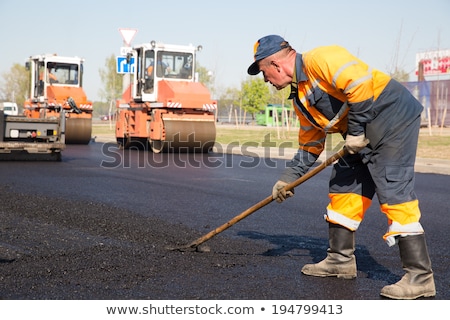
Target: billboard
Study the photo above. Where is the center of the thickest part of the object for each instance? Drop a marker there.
(434, 62)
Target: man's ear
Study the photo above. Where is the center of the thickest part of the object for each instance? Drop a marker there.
(275, 64)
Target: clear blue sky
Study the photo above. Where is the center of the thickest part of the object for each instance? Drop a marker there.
(384, 33)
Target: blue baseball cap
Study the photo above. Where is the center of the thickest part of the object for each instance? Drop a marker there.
(264, 48)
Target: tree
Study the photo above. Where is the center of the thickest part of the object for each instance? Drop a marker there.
(227, 101)
(255, 95)
(280, 96)
(205, 76)
(112, 82)
(16, 84)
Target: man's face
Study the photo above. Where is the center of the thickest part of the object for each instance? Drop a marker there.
(274, 73)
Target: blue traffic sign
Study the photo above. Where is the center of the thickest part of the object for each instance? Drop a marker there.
(123, 66)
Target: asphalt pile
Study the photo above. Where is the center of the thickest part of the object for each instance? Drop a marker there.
(58, 249)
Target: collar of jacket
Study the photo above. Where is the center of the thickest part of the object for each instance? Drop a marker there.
(299, 75)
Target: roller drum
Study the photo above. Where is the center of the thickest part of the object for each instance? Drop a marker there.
(78, 130)
(186, 135)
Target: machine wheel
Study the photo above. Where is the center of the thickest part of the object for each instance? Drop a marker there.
(157, 146)
(135, 143)
(121, 143)
(58, 157)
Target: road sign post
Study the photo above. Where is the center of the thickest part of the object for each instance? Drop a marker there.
(125, 67)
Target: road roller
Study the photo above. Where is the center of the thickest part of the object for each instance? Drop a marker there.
(23, 138)
(164, 107)
(56, 86)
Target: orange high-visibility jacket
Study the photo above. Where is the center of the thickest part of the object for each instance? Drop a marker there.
(335, 92)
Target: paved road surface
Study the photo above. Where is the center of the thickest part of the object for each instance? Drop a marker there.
(96, 226)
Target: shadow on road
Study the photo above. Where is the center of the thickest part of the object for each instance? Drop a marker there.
(287, 245)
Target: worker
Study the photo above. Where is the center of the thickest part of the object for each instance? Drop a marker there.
(162, 68)
(51, 78)
(335, 92)
(186, 70)
(150, 68)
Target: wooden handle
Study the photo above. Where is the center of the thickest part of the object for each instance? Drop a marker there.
(267, 200)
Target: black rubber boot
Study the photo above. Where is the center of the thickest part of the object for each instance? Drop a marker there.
(340, 261)
(418, 280)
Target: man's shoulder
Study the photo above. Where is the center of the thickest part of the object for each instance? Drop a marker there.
(324, 54)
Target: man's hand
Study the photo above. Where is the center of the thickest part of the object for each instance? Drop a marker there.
(355, 144)
(279, 193)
